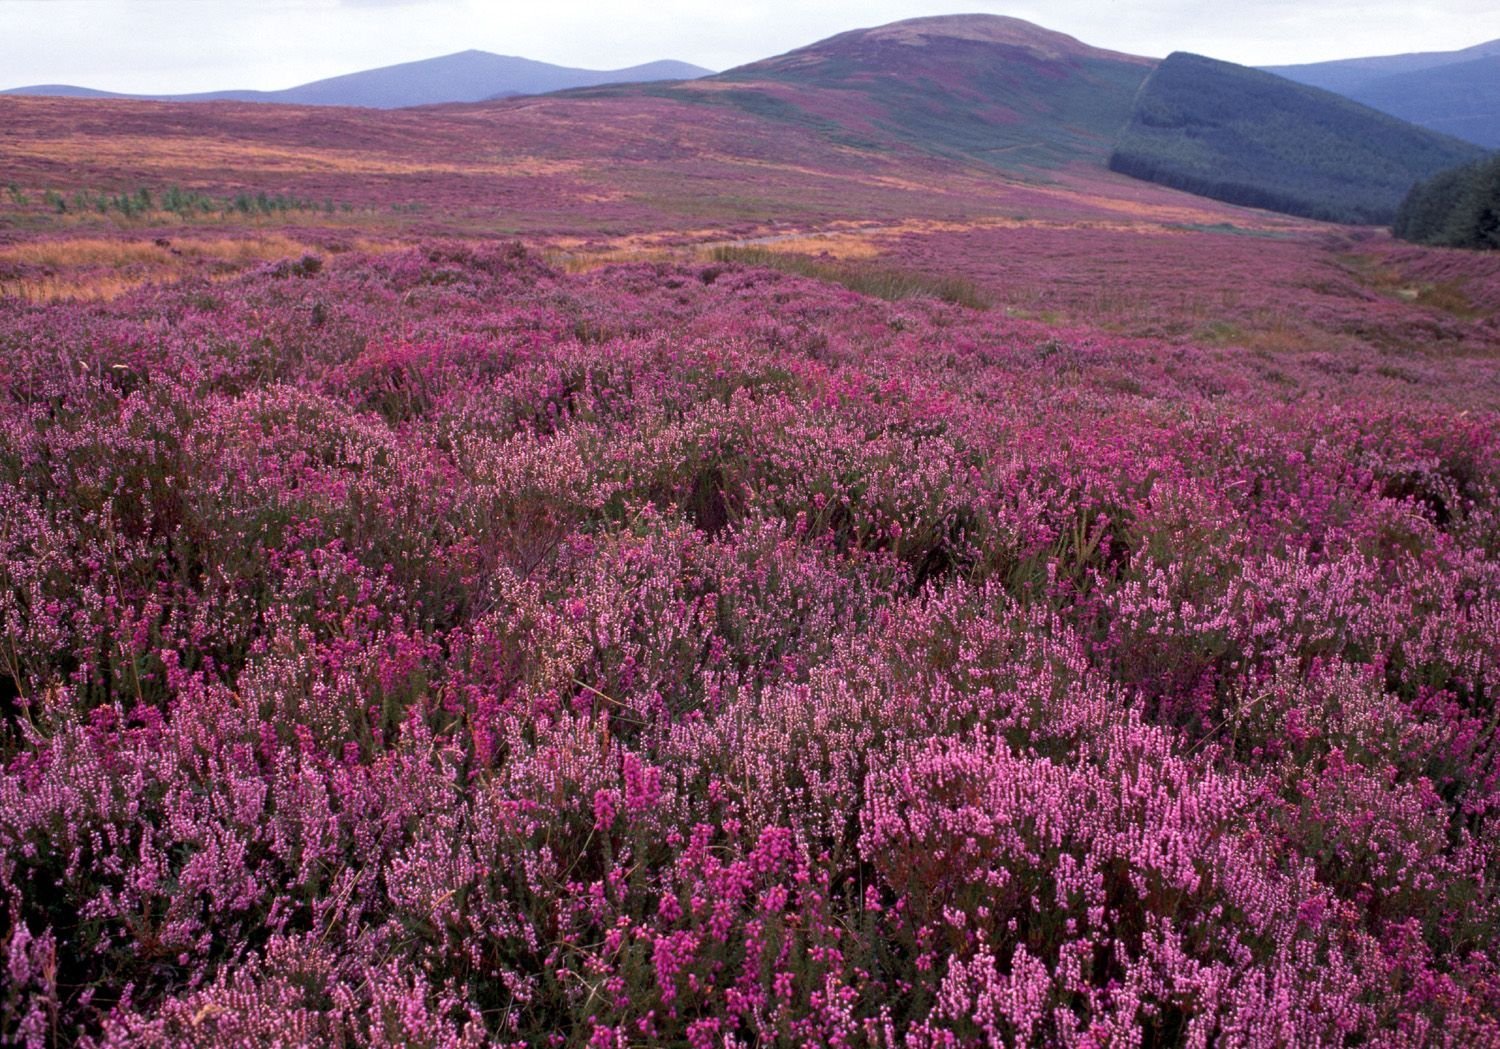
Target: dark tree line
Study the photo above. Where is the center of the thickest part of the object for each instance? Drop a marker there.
(1160, 165)
(1248, 137)
(1457, 208)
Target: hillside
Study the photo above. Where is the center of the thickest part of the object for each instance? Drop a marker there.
(983, 88)
(1248, 137)
(1454, 92)
(468, 76)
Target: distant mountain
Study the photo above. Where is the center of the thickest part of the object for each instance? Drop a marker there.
(1248, 137)
(1462, 99)
(1348, 74)
(1455, 92)
(468, 76)
(65, 91)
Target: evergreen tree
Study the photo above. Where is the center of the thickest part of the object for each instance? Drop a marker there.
(1457, 208)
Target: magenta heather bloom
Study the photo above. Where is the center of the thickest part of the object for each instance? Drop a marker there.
(436, 649)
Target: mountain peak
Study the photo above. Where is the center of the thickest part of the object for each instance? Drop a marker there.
(999, 30)
(980, 87)
(988, 29)
(463, 76)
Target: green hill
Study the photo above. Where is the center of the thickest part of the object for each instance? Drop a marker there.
(1247, 137)
(1458, 208)
(983, 88)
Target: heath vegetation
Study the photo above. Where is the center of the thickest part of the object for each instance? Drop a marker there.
(434, 648)
(704, 565)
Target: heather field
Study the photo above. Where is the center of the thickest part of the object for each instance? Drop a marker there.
(928, 608)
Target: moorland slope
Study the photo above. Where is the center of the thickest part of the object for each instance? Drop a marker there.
(982, 87)
(981, 90)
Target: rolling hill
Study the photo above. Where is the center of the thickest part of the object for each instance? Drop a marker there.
(983, 88)
(1011, 95)
(1249, 137)
(969, 91)
(468, 76)
(1455, 92)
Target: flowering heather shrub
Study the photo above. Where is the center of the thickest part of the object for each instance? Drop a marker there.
(437, 650)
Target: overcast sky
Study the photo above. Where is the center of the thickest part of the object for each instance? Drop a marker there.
(197, 45)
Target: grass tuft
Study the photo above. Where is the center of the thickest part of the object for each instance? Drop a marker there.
(866, 278)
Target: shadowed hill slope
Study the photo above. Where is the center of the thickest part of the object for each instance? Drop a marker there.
(1249, 137)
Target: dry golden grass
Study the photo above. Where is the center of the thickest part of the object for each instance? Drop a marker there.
(633, 241)
(880, 281)
(586, 261)
(97, 268)
(862, 178)
(84, 251)
(576, 255)
(846, 240)
(199, 153)
(53, 289)
(101, 251)
(90, 222)
(1122, 200)
(838, 245)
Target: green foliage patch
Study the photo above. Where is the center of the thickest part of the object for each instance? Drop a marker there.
(880, 281)
(1457, 208)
